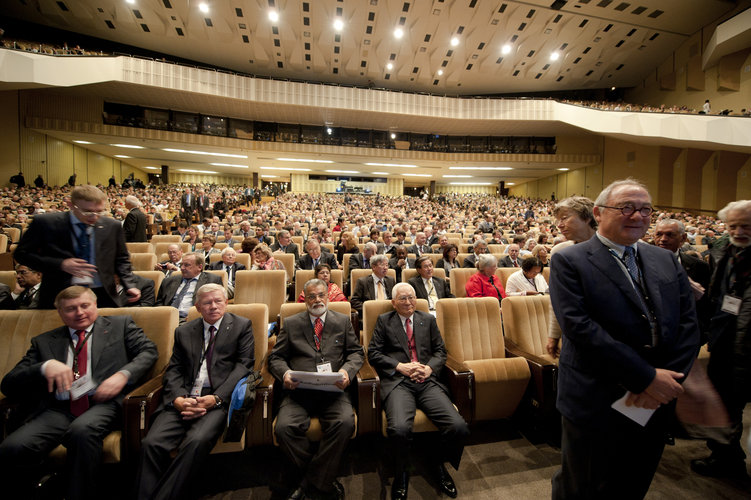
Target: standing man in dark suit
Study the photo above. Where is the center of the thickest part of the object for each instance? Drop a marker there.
(427, 286)
(408, 353)
(376, 286)
(324, 341)
(188, 205)
(627, 313)
(179, 290)
(203, 205)
(229, 266)
(285, 244)
(28, 282)
(79, 247)
(315, 257)
(211, 354)
(401, 261)
(134, 225)
(108, 355)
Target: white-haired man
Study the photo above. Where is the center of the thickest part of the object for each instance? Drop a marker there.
(134, 225)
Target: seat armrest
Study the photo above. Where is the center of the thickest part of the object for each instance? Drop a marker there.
(461, 383)
(138, 407)
(259, 428)
(454, 364)
(9, 414)
(368, 400)
(544, 374)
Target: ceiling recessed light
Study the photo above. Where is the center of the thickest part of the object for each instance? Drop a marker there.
(554, 56)
(612, 88)
(203, 7)
(455, 41)
(83, 142)
(563, 169)
(284, 168)
(338, 24)
(273, 16)
(480, 168)
(329, 131)
(122, 156)
(390, 165)
(131, 146)
(398, 33)
(196, 171)
(440, 72)
(457, 176)
(389, 66)
(510, 184)
(304, 160)
(131, 1)
(393, 135)
(506, 49)
(233, 165)
(151, 168)
(342, 171)
(267, 176)
(380, 173)
(417, 175)
(206, 153)
(470, 183)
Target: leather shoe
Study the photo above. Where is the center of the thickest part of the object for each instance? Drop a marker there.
(445, 483)
(400, 486)
(298, 494)
(718, 467)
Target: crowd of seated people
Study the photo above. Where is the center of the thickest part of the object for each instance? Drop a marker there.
(648, 108)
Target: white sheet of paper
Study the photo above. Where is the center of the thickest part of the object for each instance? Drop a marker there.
(639, 415)
(80, 387)
(317, 381)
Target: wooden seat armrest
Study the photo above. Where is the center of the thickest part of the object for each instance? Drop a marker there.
(544, 377)
(513, 350)
(456, 365)
(138, 407)
(368, 400)
(461, 382)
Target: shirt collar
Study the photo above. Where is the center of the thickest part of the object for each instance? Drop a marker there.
(618, 249)
(404, 320)
(322, 316)
(215, 325)
(72, 331)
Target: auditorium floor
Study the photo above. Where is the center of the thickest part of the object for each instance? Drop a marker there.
(499, 463)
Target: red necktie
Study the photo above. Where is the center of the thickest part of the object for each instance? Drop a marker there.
(81, 404)
(410, 340)
(318, 331)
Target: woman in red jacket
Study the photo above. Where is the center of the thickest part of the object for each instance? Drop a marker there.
(484, 283)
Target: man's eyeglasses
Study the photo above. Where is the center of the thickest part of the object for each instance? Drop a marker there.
(316, 296)
(405, 298)
(628, 210)
(89, 214)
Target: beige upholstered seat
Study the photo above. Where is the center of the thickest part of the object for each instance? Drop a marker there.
(139, 247)
(471, 328)
(460, 258)
(302, 276)
(8, 278)
(359, 273)
(496, 249)
(546, 274)
(14, 234)
(244, 259)
(156, 276)
(459, 276)
(345, 265)
(262, 287)
(161, 247)
(222, 274)
(3, 243)
(408, 274)
(288, 259)
(505, 272)
(159, 238)
(142, 261)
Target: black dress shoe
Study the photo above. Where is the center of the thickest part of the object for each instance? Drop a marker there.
(445, 483)
(719, 467)
(400, 486)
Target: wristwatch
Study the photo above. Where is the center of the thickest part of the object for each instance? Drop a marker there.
(218, 401)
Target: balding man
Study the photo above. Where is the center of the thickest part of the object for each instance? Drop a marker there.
(361, 260)
(134, 225)
(729, 343)
(173, 262)
(670, 234)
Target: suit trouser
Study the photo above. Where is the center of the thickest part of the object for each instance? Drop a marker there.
(193, 439)
(30, 444)
(400, 406)
(334, 411)
(615, 461)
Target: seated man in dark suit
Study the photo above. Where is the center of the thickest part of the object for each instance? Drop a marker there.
(146, 286)
(480, 247)
(285, 244)
(315, 257)
(182, 230)
(421, 245)
(510, 260)
(173, 262)
(401, 261)
(49, 374)
(388, 247)
(361, 260)
(6, 300)
(211, 354)
(427, 286)
(410, 380)
(375, 286)
(28, 282)
(179, 290)
(228, 265)
(324, 341)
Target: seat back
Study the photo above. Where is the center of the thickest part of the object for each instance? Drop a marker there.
(142, 261)
(138, 247)
(8, 278)
(408, 274)
(458, 279)
(156, 276)
(244, 259)
(288, 260)
(496, 249)
(546, 274)
(292, 308)
(161, 247)
(14, 234)
(3, 243)
(460, 258)
(302, 276)
(221, 273)
(215, 257)
(262, 287)
(359, 273)
(371, 309)
(345, 264)
(258, 315)
(471, 328)
(160, 238)
(525, 322)
(504, 273)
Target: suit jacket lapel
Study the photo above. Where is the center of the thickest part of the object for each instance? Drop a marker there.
(601, 258)
(222, 337)
(196, 349)
(371, 288)
(61, 344)
(308, 331)
(100, 330)
(418, 329)
(397, 330)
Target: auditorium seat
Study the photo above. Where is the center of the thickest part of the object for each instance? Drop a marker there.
(8, 278)
(359, 273)
(493, 248)
(408, 274)
(170, 238)
(142, 261)
(221, 273)
(3, 243)
(137, 247)
(302, 276)
(460, 258)
(485, 382)
(161, 247)
(288, 260)
(546, 274)
(505, 272)
(262, 287)
(156, 276)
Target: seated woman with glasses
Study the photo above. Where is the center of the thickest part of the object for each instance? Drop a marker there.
(484, 283)
(528, 280)
(263, 259)
(323, 272)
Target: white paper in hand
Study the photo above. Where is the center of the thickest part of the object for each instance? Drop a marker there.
(318, 381)
(639, 415)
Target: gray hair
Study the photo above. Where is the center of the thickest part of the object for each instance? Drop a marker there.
(580, 205)
(132, 200)
(208, 288)
(399, 286)
(377, 259)
(314, 282)
(604, 196)
(371, 246)
(227, 250)
(283, 233)
(744, 205)
(486, 259)
(679, 224)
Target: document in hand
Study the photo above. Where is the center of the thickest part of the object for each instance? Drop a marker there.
(317, 381)
(639, 415)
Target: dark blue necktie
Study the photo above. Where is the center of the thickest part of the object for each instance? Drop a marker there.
(629, 258)
(179, 297)
(84, 242)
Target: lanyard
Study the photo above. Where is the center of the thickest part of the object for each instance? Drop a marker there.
(206, 348)
(77, 350)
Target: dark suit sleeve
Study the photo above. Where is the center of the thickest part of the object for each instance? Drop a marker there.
(177, 377)
(147, 293)
(359, 295)
(279, 355)
(129, 226)
(142, 352)
(447, 291)
(121, 257)
(29, 251)
(353, 353)
(244, 360)
(377, 350)
(6, 299)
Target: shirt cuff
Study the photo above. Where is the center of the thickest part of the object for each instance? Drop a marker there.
(43, 367)
(126, 373)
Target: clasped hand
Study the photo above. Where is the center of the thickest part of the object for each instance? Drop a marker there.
(61, 375)
(194, 407)
(416, 371)
(663, 389)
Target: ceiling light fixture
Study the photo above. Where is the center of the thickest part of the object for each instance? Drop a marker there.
(273, 16)
(379, 173)
(267, 176)
(440, 72)
(131, 1)
(131, 146)
(398, 33)
(329, 131)
(389, 66)
(122, 156)
(304, 160)
(196, 171)
(338, 24)
(390, 165)
(83, 142)
(289, 169)
(506, 49)
(455, 41)
(342, 171)
(563, 169)
(203, 7)
(480, 168)
(417, 175)
(510, 184)
(470, 183)
(233, 165)
(457, 176)
(151, 168)
(554, 56)
(206, 153)
(393, 135)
